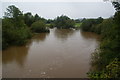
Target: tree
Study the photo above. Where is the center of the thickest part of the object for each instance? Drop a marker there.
(38, 27)
(90, 24)
(15, 14)
(64, 22)
(107, 58)
(28, 18)
(36, 18)
(14, 30)
(116, 5)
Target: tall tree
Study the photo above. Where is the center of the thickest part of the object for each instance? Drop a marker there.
(116, 5)
(15, 15)
(36, 18)
(28, 18)
(14, 30)
(64, 22)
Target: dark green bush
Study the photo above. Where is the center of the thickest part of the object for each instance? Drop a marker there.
(14, 30)
(39, 27)
(64, 22)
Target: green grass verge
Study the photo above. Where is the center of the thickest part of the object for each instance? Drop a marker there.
(77, 25)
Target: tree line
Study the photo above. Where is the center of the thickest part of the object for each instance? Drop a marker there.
(106, 59)
(17, 27)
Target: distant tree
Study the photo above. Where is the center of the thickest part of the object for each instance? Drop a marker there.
(83, 19)
(64, 22)
(49, 21)
(77, 20)
(90, 24)
(28, 18)
(37, 18)
(99, 20)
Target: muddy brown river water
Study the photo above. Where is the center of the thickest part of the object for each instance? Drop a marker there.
(62, 53)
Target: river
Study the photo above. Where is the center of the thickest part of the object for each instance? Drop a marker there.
(62, 53)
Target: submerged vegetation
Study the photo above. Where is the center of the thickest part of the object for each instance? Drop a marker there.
(15, 31)
(64, 22)
(90, 25)
(39, 26)
(17, 28)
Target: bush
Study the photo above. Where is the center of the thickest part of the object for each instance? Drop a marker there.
(92, 25)
(13, 35)
(39, 27)
(106, 59)
(64, 22)
(112, 70)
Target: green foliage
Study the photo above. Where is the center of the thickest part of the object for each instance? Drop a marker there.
(50, 25)
(28, 18)
(64, 22)
(106, 59)
(38, 18)
(14, 30)
(13, 12)
(39, 27)
(78, 20)
(13, 35)
(0, 34)
(77, 25)
(116, 5)
(112, 70)
(90, 25)
(49, 21)
(16, 15)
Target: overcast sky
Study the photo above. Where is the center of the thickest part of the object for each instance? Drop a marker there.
(52, 0)
(72, 8)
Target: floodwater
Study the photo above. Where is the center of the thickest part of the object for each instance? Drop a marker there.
(62, 53)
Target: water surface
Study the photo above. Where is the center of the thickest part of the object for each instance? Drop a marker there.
(62, 53)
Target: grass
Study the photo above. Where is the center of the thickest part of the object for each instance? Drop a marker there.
(47, 25)
(77, 25)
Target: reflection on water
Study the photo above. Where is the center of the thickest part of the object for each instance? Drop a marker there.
(63, 53)
(63, 34)
(40, 37)
(37, 38)
(15, 54)
(89, 35)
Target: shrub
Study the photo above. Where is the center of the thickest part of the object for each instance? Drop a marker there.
(39, 27)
